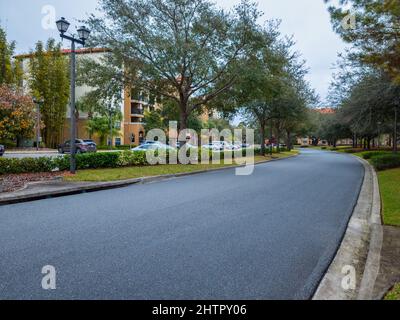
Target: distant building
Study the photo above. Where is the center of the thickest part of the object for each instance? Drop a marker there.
(134, 104)
(325, 110)
(308, 141)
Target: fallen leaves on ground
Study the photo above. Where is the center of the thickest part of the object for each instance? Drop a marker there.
(13, 182)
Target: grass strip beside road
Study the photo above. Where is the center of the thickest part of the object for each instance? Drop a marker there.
(389, 182)
(101, 175)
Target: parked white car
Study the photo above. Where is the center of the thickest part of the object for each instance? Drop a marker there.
(153, 145)
(214, 146)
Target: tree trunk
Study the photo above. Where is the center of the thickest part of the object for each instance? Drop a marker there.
(262, 133)
(278, 137)
(289, 140)
(183, 120)
(395, 131)
(90, 117)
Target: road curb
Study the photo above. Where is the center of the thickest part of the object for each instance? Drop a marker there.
(77, 188)
(360, 249)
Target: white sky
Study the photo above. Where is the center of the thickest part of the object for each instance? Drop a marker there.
(307, 20)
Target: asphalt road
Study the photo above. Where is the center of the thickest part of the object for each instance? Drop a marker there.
(270, 235)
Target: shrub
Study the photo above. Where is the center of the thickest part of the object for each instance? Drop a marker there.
(129, 158)
(353, 150)
(372, 154)
(323, 148)
(9, 144)
(334, 149)
(386, 161)
(97, 160)
(62, 163)
(25, 165)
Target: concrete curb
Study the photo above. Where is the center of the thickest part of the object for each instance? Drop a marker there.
(360, 248)
(76, 188)
(375, 247)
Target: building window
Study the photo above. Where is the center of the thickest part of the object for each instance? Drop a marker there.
(117, 141)
(136, 108)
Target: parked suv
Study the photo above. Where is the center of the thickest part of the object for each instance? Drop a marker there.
(81, 147)
(2, 150)
(90, 142)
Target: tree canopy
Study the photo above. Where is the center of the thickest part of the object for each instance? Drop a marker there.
(179, 49)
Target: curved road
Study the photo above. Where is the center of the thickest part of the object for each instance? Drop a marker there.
(270, 235)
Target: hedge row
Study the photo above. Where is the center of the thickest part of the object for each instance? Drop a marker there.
(90, 161)
(386, 161)
(61, 163)
(26, 165)
(373, 154)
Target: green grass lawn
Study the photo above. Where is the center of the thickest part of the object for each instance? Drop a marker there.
(96, 175)
(389, 182)
(394, 294)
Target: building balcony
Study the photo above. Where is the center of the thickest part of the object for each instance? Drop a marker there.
(137, 111)
(136, 120)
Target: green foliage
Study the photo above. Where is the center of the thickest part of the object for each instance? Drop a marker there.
(97, 160)
(352, 150)
(387, 161)
(372, 154)
(26, 165)
(182, 48)
(49, 80)
(100, 125)
(394, 294)
(154, 120)
(102, 160)
(128, 158)
(10, 72)
(389, 184)
(89, 161)
(17, 114)
(9, 144)
(376, 37)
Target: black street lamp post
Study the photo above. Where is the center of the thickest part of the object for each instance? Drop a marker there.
(83, 35)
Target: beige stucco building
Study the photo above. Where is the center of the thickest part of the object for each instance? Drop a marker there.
(133, 105)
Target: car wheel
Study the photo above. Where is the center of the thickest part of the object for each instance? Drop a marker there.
(61, 151)
(79, 151)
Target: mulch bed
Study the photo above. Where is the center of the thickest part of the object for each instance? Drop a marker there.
(13, 182)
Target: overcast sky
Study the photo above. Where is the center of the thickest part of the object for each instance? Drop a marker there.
(307, 20)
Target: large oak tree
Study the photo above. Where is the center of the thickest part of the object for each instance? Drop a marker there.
(177, 49)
